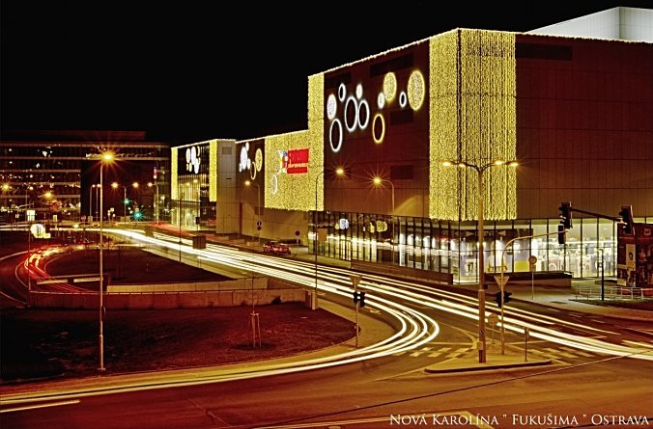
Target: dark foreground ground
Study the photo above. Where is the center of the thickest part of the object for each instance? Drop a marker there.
(44, 343)
(38, 343)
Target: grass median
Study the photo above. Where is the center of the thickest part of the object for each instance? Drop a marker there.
(43, 343)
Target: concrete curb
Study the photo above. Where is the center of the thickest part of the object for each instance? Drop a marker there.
(439, 369)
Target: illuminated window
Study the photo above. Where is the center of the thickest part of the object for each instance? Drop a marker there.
(332, 107)
(351, 119)
(378, 128)
(416, 90)
(380, 100)
(363, 114)
(402, 99)
(336, 127)
(390, 87)
(342, 92)
(359, 91)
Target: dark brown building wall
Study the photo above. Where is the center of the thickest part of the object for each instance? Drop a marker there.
(584, 125)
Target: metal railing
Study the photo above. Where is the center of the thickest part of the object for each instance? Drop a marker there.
(613, 293)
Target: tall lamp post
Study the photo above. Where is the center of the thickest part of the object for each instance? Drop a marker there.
(339, 172)
(90, 197)
(377, 182)
(156, 200)
(480, 169)
(249, 183)
(106, 158)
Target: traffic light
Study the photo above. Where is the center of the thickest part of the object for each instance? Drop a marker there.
(506, 297)
(626, 214)
(562, 234)
(138, 215)
(359, 297)
(126, 200)
(566, 214)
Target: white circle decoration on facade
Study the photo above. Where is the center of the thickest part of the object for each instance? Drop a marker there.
(243, 162)
(378, 128)
(335, 124)
(390, 86)
(380, 100)
(193, 159)
(359, 91)
(363, 114)
(416, 90)
(351, 114)
(402, 99)
(332, 107)
(342, 92)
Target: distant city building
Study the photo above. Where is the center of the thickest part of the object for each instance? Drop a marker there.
(54, 172)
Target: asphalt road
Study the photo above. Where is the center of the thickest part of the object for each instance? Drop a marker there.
(13, 292)
(369, 395)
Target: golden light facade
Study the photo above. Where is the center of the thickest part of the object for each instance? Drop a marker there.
(289, 191)
(174, 174)
(472, 119)
(315, 138)
(213, 171)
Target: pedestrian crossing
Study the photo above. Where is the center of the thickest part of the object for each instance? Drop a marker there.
(445, 351)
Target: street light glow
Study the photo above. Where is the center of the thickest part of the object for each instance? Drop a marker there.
(115, 185)
(377, 180)
(135, 185)
(108, 156)
(340, 171)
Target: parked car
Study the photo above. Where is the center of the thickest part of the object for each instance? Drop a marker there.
(276, 248)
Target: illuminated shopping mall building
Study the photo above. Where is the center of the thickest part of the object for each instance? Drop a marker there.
(571, 104)
(57, 174)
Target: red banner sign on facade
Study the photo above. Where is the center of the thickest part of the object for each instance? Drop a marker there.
(296, 161)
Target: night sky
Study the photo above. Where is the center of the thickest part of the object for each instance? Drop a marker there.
(195, 70)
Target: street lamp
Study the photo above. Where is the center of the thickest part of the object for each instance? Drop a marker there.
(106, 158)
(340, 172)
(116, 185)
(480, 169)
(249, 183)
(377, 182)
(156, 200)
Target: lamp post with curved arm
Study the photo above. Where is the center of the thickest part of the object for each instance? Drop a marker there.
(480, 169)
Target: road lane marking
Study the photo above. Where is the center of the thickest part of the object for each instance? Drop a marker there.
(33, 407)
